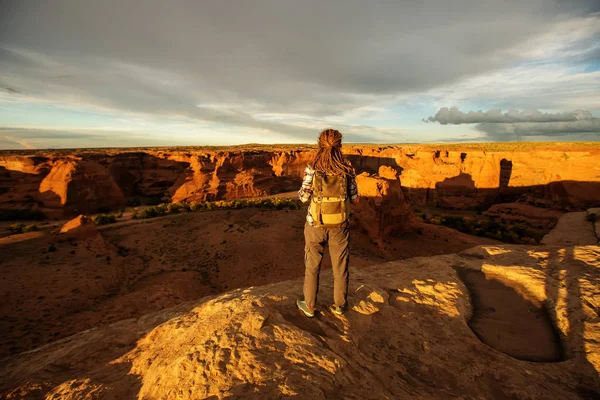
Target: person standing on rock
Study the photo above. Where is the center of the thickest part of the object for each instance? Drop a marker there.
(330, 185)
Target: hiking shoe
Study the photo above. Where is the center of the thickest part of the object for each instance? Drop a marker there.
(302, 306)
(339, 310)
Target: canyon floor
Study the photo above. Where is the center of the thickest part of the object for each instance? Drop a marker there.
(55, 285)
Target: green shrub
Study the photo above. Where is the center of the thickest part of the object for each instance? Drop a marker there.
(154, 211)
(16, 228)
(436, 220)
(22, 228)
(511, 237)
(172, 208)
(493, 235)
(30, 228)
(458, 223)
(490, 225)
(196, 205)
(516, 233)
(104, 219)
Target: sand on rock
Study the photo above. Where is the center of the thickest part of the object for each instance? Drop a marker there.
(572, 228)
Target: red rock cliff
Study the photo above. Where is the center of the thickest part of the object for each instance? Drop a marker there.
(451, 176)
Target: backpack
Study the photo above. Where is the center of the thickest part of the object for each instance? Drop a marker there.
(329, 205)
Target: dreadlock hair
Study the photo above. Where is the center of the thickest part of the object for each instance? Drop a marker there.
(329, 158)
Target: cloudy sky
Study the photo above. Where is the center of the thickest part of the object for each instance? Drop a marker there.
(146, 73)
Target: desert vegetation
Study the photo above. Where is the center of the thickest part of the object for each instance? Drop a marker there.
(485, 227)
(104, 219)
(160, 210)
(22, 228)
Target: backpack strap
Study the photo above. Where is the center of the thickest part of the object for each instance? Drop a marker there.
(319, 183)
(343, 193)
(318, 192)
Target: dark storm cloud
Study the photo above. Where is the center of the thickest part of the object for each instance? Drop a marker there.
(455, 116)
(521, 125)
(285, 55)
(355, 46)
(229, 62)
(588, 129)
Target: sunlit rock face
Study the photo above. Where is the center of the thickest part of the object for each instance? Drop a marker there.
(382, 209)
(79, 228)
(407, 333)
(454, 176)
(80, 186)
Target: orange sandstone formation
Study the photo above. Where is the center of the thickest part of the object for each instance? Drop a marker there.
(382, 209)
(79, 228)
(449, 176)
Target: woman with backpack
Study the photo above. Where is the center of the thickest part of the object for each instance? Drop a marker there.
(330, 185)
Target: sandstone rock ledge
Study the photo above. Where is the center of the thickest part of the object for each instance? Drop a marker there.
(405, 337)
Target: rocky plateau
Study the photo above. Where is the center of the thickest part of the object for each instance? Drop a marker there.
(491, 322)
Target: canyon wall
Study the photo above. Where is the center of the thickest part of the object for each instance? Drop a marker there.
(449, 176)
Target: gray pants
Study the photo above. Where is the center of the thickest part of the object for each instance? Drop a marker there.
(315, 240)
